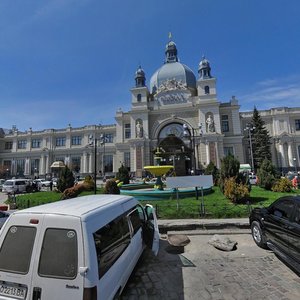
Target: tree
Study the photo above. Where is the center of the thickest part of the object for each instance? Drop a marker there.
(261, 140)
(66, 179)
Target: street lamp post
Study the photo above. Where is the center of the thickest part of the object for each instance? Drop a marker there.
(186, 132)
(250, 128)
(102, 142)
(93, 142)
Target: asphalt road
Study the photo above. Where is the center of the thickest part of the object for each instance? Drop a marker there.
(203, 272)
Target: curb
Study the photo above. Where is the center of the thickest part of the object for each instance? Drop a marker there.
(164, 228)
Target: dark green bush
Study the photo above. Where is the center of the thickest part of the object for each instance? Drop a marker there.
(123, 175)
(211, 169)
(66, 179)
(266, 175)
(230, 167)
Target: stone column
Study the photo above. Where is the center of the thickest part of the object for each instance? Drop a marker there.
(217, 155)
(90, 163)
(207, 153)
(47, 164)
(281, 155)
(290, 155)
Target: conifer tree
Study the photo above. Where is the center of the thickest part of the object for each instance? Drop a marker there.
(260, 140)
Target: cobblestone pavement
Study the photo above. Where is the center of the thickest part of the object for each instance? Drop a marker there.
(203, 272)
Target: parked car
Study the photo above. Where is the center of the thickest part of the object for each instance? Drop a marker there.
(82, 248)
(14, 186)
(42, 182)
(3, 217)
(277, 227)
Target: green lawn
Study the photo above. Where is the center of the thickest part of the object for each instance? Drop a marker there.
(215, 204)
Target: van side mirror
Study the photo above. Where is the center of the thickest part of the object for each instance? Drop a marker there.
(83, 270)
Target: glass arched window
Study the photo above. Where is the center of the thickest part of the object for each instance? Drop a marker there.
(139, 97)
(206, 89)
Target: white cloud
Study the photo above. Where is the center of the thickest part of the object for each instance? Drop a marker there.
(271, 93)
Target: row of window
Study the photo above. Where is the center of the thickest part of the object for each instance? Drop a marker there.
(113, 239)
(59, 142)
(73, 162)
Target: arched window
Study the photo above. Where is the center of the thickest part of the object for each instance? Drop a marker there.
(139, 97)
(206, 89)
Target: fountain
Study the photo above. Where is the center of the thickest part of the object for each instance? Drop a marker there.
(144, 191)
(158, 170)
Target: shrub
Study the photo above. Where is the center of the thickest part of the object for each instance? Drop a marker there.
(282, 185)
(66, 179)
(267, 175)
(212, 170)
(230, 167)
(111, 187)
(73, 192)
(88, 183)
(236, 192)
(123, 175)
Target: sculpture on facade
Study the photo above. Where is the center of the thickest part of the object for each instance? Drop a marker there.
(210, 123)
(139, 129)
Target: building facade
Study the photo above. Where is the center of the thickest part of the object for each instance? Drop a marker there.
(178, 115)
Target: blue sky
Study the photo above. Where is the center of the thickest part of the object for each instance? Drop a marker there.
(73, 61)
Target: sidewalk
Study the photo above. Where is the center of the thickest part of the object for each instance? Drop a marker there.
(202, 224)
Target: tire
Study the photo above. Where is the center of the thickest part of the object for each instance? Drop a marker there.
(257, 235)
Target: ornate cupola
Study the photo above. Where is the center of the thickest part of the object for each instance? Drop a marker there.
(140, 79)
(206, 84)
(171, 52)
(140, 91)
(204, 69)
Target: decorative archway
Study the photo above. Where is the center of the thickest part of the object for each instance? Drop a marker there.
(173, 148)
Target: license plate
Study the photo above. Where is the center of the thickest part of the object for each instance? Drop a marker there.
(16, 292)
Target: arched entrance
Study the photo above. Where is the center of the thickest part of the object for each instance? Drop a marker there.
(175, 152)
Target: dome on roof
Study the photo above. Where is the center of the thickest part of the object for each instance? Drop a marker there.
(170, 71)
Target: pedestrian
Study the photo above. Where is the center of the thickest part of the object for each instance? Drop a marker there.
(51, 185)
(295, 182)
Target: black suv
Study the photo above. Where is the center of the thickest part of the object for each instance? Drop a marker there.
(278, 228)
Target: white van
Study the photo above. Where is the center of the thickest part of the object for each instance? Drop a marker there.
(15, 186)
(79, 249)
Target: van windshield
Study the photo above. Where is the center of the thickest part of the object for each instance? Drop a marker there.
(16, 250)
(59, 254)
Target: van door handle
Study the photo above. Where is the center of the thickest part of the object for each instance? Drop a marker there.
(37, 292)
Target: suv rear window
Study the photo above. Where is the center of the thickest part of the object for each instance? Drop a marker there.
(59, 254)
(16, 250)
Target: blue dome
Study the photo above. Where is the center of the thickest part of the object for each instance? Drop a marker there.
(173, 70)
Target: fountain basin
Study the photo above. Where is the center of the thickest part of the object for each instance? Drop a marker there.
(158, 170)
(142, 193)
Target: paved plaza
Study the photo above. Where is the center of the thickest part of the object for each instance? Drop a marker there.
(203, 272)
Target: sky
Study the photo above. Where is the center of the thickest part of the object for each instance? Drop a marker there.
(73, 61)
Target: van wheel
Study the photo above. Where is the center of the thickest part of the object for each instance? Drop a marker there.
(258, 235)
